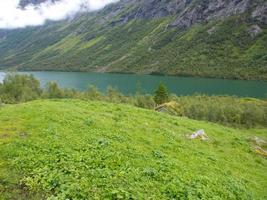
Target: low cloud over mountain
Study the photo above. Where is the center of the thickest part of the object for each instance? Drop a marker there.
(13, 15)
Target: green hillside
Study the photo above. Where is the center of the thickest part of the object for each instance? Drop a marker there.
(72, 149)
(234, 47)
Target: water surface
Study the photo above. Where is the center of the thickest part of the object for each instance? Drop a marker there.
(128, 83)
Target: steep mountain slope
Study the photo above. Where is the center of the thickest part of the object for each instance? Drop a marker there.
(222, 38)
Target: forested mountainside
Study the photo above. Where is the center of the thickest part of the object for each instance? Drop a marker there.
(208, 38)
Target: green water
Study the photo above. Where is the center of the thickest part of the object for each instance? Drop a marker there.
(128, 83)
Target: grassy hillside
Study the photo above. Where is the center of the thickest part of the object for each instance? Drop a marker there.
(224, 49)
(72, 149)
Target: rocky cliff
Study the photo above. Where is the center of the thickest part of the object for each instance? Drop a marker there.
(188, 12)
(185, 12)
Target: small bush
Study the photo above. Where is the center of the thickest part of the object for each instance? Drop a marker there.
(53, 91)
(145, 101)
(19, 88)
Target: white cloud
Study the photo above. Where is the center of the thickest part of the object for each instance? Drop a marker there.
(12, 16)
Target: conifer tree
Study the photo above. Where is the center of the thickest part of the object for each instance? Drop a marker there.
(161, 94)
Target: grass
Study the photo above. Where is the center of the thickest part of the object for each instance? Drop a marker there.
(73, 149)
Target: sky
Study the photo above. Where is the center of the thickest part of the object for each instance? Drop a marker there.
(12, 16)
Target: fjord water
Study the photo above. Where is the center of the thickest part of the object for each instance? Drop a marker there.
(129, 83)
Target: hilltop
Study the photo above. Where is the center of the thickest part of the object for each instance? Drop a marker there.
(222, 38)
(73, 149)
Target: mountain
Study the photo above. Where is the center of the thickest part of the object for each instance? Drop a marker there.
(207, 38)
(24, 3)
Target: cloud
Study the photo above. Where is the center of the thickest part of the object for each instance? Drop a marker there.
(13, 16)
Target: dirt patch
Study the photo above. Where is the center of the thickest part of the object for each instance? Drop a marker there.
(23, 134)
(4, 136)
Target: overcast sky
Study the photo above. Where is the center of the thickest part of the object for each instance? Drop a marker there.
(12, 16)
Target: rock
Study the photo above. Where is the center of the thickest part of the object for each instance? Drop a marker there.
(200, 134)
(261, 151)
(258, 141)
(260, 145)
(186, 12)
(212, 30)
(206, 11)
(254, 31)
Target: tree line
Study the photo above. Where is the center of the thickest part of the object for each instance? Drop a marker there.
(227, 110)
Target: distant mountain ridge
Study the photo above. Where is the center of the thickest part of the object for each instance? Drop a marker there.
(24, 3)
(211, 38)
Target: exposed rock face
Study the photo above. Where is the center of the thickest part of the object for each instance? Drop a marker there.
(185, 12)
(260, 13)
(189, 12)
(208, 10)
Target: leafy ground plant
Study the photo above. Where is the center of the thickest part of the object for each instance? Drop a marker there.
(73, 149)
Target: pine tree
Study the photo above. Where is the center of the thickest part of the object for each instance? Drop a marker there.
(161, 94)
